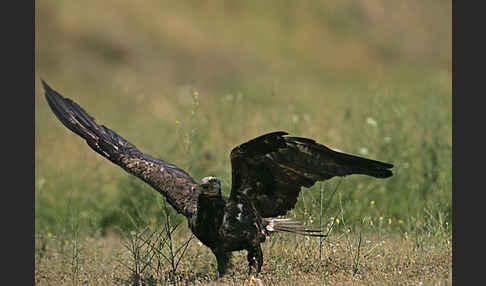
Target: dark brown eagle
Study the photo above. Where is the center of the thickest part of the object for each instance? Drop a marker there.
(268, 173)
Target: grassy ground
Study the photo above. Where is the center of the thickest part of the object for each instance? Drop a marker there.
(189, 81)
(368, 256)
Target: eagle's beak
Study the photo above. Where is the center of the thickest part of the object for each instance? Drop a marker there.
(209, 190)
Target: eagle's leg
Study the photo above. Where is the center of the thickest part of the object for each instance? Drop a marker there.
(224, 261)
(255, 259)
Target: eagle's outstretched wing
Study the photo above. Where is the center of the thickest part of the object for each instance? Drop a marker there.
(271, 169)
(174, 183)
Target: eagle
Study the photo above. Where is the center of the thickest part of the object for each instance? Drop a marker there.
(267, 174)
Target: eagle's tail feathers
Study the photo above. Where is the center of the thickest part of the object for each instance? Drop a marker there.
(290, 225)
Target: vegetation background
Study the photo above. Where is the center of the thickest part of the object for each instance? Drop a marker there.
(186, 81)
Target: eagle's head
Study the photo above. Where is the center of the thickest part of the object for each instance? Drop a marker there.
(210, 187)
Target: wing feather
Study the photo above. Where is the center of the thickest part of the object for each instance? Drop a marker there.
(169, 180)
(271, 169)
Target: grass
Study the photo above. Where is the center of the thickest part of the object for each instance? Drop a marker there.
(352, 257)
(417, 146)
(187, 82)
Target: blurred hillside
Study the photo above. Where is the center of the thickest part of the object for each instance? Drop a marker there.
(319, 69)
(216, 44)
